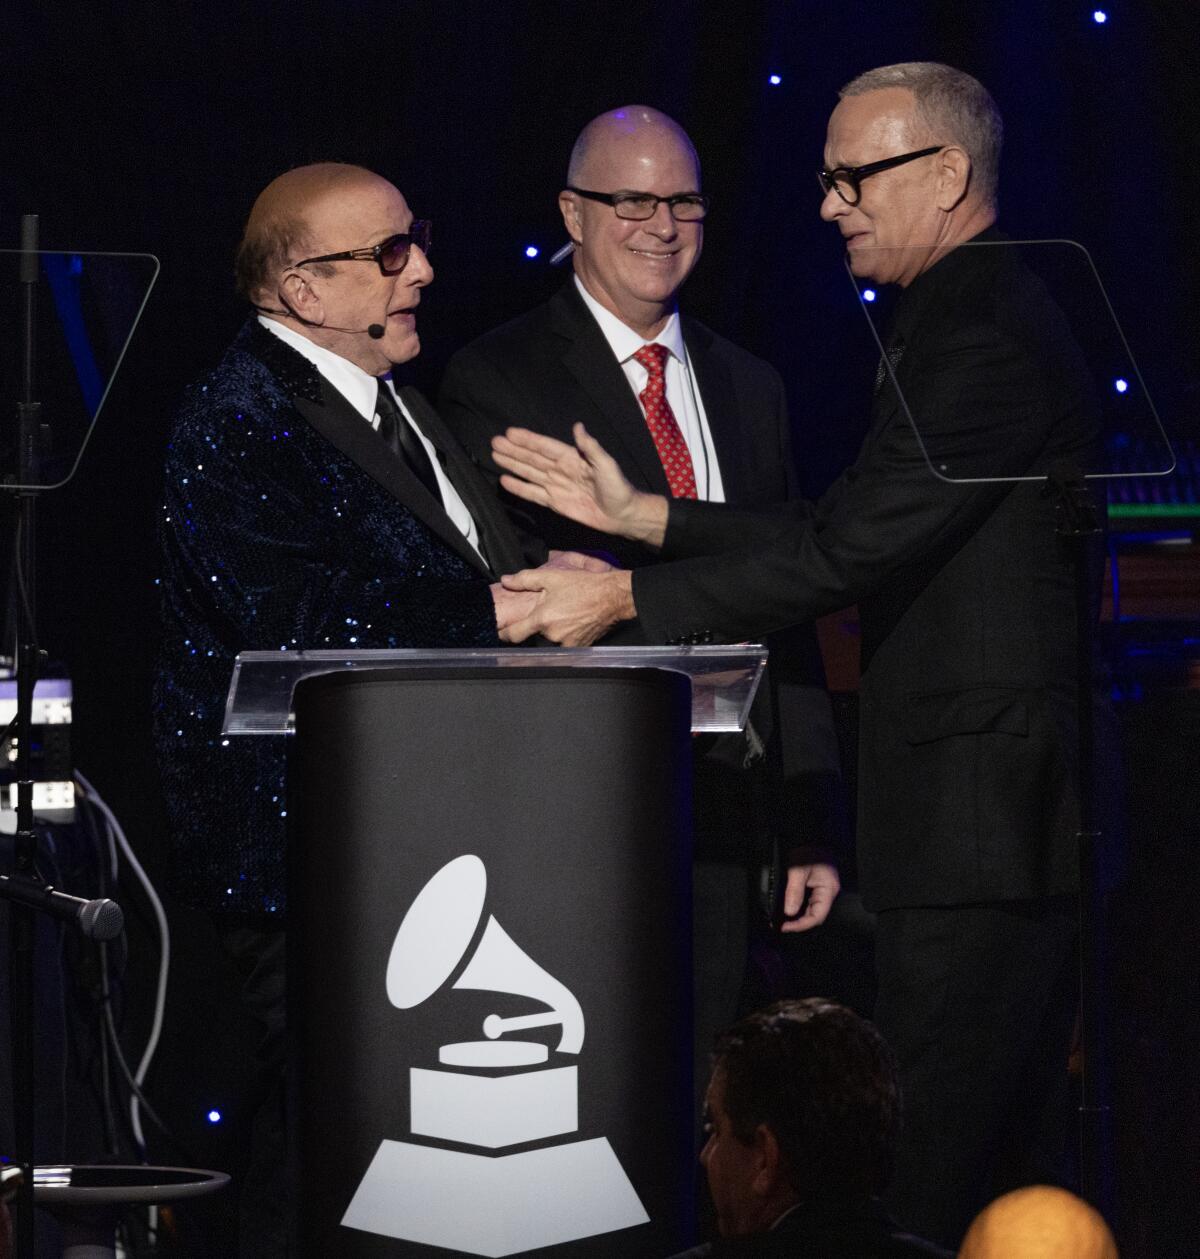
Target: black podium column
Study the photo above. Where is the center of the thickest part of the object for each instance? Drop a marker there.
(489, 962)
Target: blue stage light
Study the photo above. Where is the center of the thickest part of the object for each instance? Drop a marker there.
(1120, 385)
(775, 80)
(1099, 17)
(531, 251)
(214, 1116)
(868, 295)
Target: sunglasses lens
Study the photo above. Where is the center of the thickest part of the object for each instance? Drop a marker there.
(421, 234)
(393, 254)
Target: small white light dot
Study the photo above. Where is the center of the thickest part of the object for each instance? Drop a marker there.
(775, 80)
(868, 295)
(1099, 17)
(531, 251)
(1120, 385)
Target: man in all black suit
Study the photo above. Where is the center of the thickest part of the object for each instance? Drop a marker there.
(686, 413)
(802, 1115)
(308, 504)
(967, 802)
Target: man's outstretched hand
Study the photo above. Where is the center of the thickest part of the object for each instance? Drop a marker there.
(582, 482)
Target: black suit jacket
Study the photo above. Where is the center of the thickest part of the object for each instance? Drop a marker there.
(288, 523)
(965, 596)
(552, 367)
(824, 1230)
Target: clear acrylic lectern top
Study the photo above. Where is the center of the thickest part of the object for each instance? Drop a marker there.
(724, 679)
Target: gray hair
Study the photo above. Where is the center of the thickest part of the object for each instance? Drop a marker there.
(952, 104)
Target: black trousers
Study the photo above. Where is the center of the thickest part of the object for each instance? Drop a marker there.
(978, 1002)
(265, 1206)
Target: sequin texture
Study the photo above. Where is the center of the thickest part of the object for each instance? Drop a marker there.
(273, 539)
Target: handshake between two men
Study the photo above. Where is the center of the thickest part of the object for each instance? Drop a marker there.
(573, 599)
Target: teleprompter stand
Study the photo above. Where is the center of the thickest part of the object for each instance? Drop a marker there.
(37, 460)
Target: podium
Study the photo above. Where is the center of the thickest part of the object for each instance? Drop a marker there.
(489, 945)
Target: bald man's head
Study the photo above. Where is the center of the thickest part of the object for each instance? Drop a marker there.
(1039, 1222)
(279, 222)
(633, 267)
(623, 132)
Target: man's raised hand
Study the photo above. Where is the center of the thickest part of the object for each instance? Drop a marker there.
(582, 482)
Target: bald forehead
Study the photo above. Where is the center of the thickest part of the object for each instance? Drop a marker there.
(625, 138)
(295, 191)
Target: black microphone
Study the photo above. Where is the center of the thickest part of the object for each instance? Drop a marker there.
(375, 331)
(98, 920)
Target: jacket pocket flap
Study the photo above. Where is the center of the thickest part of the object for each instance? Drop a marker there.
(976, 711)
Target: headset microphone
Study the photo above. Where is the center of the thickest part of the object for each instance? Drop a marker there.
(376, 331)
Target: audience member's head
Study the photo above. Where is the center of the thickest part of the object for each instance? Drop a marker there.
(1039, 1222)
(803, 1104)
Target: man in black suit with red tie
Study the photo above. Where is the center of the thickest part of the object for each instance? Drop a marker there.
(968, 812)
(689, 414)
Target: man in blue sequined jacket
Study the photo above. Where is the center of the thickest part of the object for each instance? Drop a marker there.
(309, 503)
(291, 521)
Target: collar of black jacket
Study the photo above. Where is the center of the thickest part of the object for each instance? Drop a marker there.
(298, 376)
(931, 287)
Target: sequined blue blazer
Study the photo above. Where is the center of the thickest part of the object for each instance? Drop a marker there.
(287, 523)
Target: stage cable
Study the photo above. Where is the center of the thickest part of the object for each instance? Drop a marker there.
(117, 838)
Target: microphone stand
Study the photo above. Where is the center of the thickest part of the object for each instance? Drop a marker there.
(30, 438)
(1077, 528)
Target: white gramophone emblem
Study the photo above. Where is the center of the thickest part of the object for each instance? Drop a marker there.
(490, 1094)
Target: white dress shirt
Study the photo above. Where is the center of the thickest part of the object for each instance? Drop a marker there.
(682, 392)
(359, 388)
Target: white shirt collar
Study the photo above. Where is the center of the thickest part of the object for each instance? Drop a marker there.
(624, 342)
(358, 387)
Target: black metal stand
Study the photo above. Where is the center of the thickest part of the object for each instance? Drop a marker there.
(1078, 528)
(30, 437)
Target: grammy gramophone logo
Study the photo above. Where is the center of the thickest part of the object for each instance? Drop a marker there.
(489, 1094)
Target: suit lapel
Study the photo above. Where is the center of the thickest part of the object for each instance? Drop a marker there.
(715, 387)
(496, 536)
(338, 422)
(615, 417)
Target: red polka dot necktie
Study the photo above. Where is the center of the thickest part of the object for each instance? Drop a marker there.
(672, 450)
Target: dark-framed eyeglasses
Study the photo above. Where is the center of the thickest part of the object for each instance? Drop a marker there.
(685, 207)
(846, 180)
(391, 254)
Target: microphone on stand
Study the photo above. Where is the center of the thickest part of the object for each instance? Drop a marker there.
(98, 920)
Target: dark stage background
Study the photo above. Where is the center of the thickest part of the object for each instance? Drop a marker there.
(151, 127)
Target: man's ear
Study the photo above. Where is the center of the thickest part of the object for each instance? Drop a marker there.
(297, 295)
(568, 205)
(953, 175)
(768, 1162)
